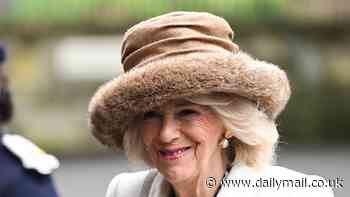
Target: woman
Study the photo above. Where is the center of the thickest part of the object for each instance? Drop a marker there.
(194, 109)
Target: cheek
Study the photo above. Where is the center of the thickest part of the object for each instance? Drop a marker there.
(149, 132)
(204, 132)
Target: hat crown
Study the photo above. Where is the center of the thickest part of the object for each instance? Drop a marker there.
(181, 54)
(174, 34)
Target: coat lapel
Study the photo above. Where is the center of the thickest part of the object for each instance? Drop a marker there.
(231, 184)
(160, 187)
(237, 181)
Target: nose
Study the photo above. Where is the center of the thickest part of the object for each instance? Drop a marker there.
(169, 131)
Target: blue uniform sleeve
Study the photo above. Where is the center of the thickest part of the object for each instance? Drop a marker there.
(16, 181)
(31, 184)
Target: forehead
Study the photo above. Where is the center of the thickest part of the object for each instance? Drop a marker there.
(173, 104)
(179, 102)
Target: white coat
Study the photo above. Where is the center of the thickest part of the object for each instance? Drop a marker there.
(150, 183)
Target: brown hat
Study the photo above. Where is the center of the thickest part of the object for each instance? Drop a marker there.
(177, 55)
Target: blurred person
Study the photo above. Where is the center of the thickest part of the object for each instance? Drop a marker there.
(194, 109)
(24, 168)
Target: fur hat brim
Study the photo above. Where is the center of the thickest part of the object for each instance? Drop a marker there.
(119, 101)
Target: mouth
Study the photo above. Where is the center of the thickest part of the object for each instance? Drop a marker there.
(173, 154)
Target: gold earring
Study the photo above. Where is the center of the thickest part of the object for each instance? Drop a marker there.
(147, 148)
(224, 143)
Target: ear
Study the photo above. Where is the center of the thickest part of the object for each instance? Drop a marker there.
(228, 134)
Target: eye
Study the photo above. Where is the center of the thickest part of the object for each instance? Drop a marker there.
(187, 112)
(151, 115)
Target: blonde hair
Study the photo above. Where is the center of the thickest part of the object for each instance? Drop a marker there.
(252, 134)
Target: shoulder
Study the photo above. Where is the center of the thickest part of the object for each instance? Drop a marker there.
(280, 171)
(276, 181)
(298, 183)
(29, 155)
(10, 167)
(128, 184)
(16, 179)
(301, 183)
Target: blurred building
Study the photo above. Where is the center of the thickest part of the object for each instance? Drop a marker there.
(60, 52)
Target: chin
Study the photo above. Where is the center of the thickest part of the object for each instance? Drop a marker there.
(176, 174)
(178, 170)
(176, 167)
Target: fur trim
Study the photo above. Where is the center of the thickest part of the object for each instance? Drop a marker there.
(120, 100)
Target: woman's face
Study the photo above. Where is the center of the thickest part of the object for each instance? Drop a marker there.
(182, 139)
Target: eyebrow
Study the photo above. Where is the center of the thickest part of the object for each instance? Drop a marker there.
(183, 103)
(178, 103)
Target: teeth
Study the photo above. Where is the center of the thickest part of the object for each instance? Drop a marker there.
(173, 153)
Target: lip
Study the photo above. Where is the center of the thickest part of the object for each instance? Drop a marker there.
(174, 153)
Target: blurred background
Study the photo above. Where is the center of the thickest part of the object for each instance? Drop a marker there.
(61, 51)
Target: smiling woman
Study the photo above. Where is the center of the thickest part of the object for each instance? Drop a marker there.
(195, 109)
(185, 138)
(255, 135)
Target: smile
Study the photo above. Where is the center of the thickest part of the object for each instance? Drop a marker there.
(173, 154)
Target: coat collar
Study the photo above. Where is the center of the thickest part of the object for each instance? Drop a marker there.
(239, 171)
(161, 188)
